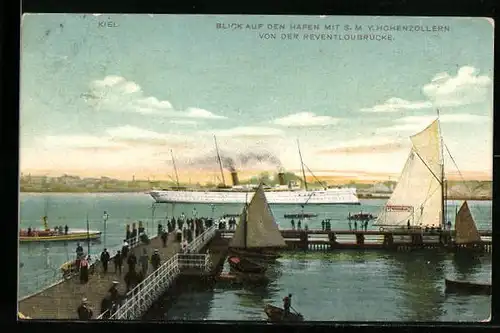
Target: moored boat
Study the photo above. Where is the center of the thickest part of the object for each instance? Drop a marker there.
(361, 217)
(262, 256)
(52, 236)
(467, 287)
(257, 238)
(300, 215)
(243, 265)
(275, 313)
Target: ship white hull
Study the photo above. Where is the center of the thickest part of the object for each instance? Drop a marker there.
(342, 196)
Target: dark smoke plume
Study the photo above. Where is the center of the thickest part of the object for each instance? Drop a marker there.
(228, 163)
(259, 157)
(244, 160)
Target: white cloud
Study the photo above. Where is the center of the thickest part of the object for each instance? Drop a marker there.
(305, 119)
(79, 142)
(250, 132)
(395, 104)
(115, 93)
(417, 123)
(467, 87)
(201, 113)
(183, 122)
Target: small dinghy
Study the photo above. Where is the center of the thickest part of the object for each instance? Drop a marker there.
(243, 265)
(453, 286)
(275, 313)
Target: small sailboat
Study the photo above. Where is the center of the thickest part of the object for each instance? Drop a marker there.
(257, 237)
(468, 241)
(467, 236)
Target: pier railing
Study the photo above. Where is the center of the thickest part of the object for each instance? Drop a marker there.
(139, 300)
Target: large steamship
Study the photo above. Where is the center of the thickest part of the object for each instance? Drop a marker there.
(283, 193)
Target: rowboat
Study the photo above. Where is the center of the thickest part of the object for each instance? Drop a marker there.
(259, 256)
(300, 215)
(275, 313)
(243, 265)
(467, 287)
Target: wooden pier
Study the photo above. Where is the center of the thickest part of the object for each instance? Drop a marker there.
(399, 240)
(61, 300)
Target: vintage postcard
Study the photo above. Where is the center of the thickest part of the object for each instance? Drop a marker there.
(266, 168)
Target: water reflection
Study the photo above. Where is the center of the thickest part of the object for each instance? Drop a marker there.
(421, 275)
(466, 264)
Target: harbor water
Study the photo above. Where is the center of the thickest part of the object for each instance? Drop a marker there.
(341, 285)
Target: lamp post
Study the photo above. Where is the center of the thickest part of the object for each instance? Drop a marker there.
(105, 220)
(153, 207)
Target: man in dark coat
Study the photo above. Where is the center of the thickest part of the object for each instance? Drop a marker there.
(84, 311)
(155, 260)
(118, 260)
(104, 260)
(131, 261)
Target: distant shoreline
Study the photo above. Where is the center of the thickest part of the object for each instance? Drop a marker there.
(360, 196)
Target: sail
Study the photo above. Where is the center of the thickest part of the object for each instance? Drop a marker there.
(261, 228)
(417, 197)
(465, 227)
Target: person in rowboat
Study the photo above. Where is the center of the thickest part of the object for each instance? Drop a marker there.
(287, 304)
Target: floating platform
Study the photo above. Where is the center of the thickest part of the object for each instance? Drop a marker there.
(53, 236)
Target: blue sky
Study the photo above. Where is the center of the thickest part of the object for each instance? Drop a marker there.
(115, 100)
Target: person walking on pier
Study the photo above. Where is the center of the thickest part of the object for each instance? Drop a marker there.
(164, 236)
(104, 260)
(118, 260)
(84, 311)
(292, 222)
(131, 261)
(79, 254)
(84, 270)
(155, 260)
(355, 225)
(125, 248)
(323, 225)
(299, 225)
(144, 261)
(66, 229)
(131, 279)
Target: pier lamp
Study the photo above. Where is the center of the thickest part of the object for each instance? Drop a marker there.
(105, 220)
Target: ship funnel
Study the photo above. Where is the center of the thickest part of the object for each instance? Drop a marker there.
(234, 176)
(281, 178)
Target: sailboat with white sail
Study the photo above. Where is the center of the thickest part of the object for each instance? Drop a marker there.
(418, 200)
(257, 237)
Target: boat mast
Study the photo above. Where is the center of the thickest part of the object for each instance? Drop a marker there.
(302, 166)
(443, 181)
(88, 236)
(245, 229)
(175, 168)
(220, 161)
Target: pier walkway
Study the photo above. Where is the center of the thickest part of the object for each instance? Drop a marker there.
(61, 300)
(139, 300)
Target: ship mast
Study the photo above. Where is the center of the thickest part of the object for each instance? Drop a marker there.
(220, 161)
(443, 181)
(175, 168)
(302, 166)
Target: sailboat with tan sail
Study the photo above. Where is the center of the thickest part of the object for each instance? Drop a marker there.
(257, 237)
